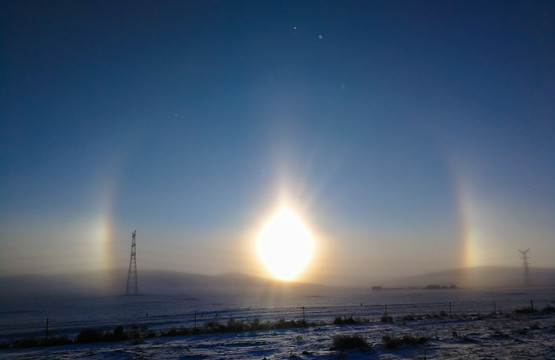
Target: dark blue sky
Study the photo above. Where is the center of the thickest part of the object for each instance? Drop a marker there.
(411, 136)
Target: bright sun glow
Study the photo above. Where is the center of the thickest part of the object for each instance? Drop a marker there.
(285, 245)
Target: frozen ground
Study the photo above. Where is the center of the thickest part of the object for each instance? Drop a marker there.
(516, 337)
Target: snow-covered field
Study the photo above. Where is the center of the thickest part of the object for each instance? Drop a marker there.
(516, 337)
(454, 331)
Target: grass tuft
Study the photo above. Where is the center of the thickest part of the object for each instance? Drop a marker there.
(344, 342)
(394, 342)
(346, 320)
(526, 310)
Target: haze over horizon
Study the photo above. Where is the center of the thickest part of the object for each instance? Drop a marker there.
(408, 137)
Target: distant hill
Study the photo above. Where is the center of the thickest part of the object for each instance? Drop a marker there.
(151, 282)
(168, 282)
(233, 283)
(476, 277)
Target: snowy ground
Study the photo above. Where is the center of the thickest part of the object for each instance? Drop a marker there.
(519, 337)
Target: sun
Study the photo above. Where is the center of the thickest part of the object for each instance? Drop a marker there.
(285, 245)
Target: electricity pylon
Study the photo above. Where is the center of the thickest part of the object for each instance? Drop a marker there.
(527, 279)
(132, 283)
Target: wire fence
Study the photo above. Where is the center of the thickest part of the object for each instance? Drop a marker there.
(165, 313)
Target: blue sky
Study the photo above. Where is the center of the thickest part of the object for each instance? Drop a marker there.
(410, 136)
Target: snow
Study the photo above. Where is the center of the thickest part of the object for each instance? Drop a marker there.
(512, 337)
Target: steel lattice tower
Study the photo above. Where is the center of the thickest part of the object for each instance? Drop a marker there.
(132, 283)
(527, 279)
